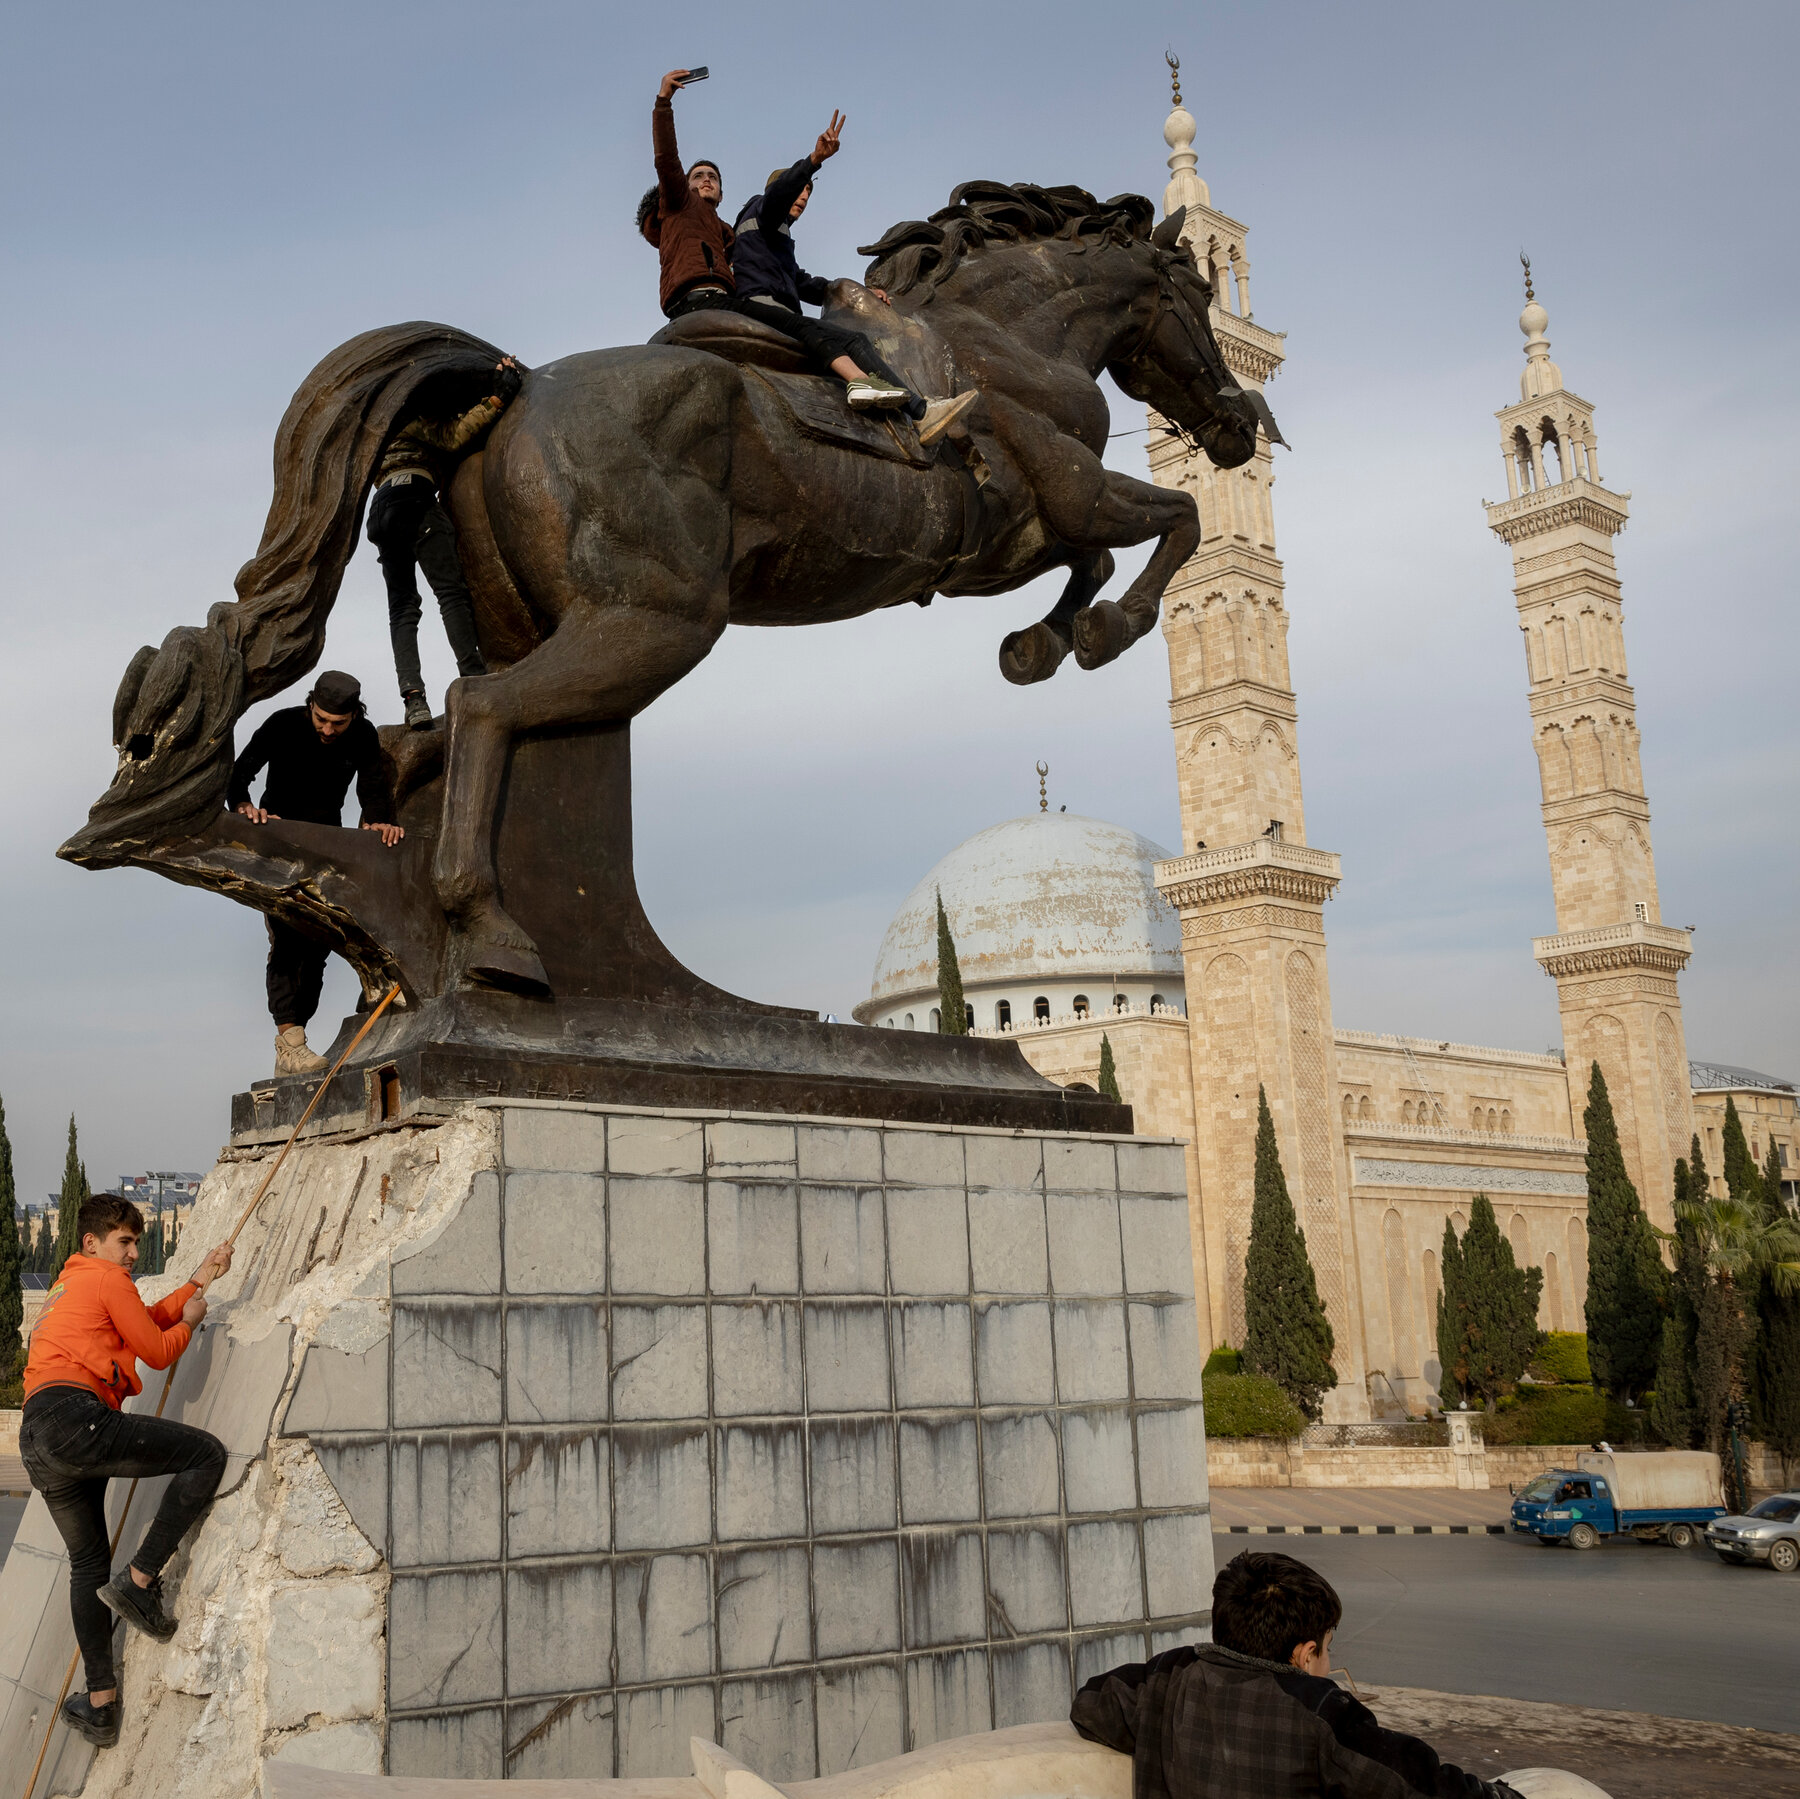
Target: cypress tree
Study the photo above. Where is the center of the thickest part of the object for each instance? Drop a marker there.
(1286, 1333)
(69, 1201)
(1775, 1371)
(1452, 1322)
(1626, 1278)
(1673, 1411)
(12, 1294)
(1497, 1314)
(953, 1013)
(1743, 1179)
(1109, 1075)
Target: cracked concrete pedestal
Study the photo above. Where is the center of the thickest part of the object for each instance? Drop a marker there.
(565, 1434)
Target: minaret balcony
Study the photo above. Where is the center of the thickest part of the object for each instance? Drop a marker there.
(1634, 944)
(1577, 501)
(1263, 866)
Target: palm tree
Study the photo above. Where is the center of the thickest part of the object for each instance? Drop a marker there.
(1739, 1243)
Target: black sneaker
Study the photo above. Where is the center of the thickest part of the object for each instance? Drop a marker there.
(418, 711)
(140, 1607)
(98, 1723)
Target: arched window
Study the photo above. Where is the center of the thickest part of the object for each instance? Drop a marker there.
(1156, 1001)
(937, 1020)
(887, 1024)
(1475, 1119)
(1505, 1124)
(1002, 1013)
(970, 1010)
(1349, 1108)
(909, 1022)
(1363, 1108)
(1040, 1009)
(1406, 1111)
(1120, 1002)
(1493, 1119)
(1081, 1005)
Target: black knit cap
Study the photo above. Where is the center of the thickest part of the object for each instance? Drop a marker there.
(336, 692)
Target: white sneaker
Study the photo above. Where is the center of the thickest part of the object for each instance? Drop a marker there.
(292, 1055)
(940, 415)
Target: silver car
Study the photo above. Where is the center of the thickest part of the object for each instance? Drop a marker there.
(1768, 1532)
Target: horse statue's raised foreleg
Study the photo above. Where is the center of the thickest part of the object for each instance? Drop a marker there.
(1093, 509)
(1037, 652)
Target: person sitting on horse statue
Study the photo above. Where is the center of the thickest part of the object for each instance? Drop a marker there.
(709, 266)
(408, 525)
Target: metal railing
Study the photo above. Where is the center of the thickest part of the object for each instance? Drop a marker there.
(1424, 1433)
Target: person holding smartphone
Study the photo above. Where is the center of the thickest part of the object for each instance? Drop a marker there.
(679, 216)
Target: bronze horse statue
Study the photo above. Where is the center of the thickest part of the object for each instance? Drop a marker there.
(633, 502)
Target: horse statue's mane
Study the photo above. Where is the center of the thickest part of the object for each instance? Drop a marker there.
(923, 253)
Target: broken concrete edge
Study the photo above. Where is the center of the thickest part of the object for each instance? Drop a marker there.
(1018, 1763)
(1024, 1762)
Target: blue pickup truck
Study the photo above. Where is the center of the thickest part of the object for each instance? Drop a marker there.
(1669, 1497)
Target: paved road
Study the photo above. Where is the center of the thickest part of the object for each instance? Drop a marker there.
(11, 1511)
(1626, 1627)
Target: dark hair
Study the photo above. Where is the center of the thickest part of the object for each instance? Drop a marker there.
(1267, 1605)
(103, 1213)
(646, 211)
(706, 162)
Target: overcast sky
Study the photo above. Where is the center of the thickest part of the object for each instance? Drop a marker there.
(200, 201)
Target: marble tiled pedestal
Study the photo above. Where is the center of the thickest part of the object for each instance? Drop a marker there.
(823, 1440)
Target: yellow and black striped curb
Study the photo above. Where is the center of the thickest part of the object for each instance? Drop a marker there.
(1359, 1530)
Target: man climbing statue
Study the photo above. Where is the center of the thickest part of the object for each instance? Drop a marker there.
(74, 1438)
(408, 525)
(311, 753)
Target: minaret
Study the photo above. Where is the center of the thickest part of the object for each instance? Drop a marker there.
(1613, 959)
(1252, 899)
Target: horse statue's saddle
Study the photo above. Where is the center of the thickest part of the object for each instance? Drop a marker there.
(815, 404)
(737, 339)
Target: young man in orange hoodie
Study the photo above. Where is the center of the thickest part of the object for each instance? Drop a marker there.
(73, 1437)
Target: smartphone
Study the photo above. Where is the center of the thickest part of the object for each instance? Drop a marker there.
(692, 76)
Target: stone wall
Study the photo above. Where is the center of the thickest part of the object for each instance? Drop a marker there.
(591, 1431)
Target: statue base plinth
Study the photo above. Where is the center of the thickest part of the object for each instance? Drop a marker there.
(498, 1046)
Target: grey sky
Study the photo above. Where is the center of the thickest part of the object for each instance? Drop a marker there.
(199, 202)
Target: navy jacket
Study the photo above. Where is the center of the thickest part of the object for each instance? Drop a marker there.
(762, 258)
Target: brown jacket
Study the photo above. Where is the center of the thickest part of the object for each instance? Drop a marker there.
(426, 447)
(694, 242)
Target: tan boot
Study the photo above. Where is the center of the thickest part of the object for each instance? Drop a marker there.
(940, 415)
(292, 1055)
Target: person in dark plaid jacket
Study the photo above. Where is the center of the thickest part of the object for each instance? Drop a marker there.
(1253, 1714)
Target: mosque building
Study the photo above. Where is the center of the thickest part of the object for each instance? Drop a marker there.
(1206, 969)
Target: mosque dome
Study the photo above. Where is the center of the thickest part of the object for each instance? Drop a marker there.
(1039, 906)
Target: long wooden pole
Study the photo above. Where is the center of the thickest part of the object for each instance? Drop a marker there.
(37, 1767)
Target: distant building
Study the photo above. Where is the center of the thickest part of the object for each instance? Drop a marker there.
(1769, 1109)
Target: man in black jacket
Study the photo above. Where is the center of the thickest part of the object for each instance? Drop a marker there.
(311, 752)
(1254, 1714)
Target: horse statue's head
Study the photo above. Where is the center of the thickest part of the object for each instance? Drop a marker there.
(1014, 250)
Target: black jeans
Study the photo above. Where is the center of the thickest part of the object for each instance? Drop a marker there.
(407, 526)
(72, 1443)
(823, 343)
(295, 974)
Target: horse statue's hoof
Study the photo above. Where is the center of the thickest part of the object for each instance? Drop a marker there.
(514, 968)
(1034, 654)
(1102, 631)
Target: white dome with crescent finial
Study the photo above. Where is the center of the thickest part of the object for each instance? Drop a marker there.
(1036, 905)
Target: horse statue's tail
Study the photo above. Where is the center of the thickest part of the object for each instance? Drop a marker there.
(173, 717)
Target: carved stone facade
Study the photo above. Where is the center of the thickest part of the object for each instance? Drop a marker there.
(1613, 959)
(1250, 892)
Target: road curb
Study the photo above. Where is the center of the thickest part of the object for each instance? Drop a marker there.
(1359, 1530)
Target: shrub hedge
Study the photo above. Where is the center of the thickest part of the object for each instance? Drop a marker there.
(1248, 1405)
(1224, 1360)
(1563, 1357)
(1566, 1414)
